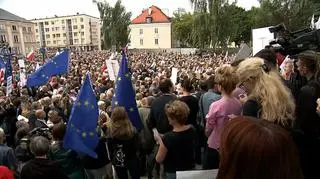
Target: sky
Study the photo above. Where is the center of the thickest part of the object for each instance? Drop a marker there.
(30, 9)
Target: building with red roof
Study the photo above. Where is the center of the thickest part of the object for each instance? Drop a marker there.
(151, 30)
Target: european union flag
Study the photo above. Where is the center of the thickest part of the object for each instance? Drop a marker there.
(81, 134)
(125, 94)
(56, 66)
(8, 71)
(2, 64)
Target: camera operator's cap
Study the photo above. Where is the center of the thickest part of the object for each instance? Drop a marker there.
(308, 54)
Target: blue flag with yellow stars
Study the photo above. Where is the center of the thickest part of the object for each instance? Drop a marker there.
(2, 64)
(81, 134)
(56, 66)
(125, 95)
(8, 71)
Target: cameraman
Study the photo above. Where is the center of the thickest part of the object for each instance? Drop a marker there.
(307, 124)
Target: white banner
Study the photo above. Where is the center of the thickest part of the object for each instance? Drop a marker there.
(113, 69)
(21, 63)
(198, 174)
(9, 85)
(174, 75)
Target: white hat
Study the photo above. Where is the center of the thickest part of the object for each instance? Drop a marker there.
(101, 103)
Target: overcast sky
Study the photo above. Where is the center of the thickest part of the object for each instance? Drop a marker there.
(31, 9)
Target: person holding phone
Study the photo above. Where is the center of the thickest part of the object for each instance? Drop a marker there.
(177, 147)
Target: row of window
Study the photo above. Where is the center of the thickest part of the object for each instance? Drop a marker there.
(74, 20)
(14, 28)
(155, 31)
(75, 34)
(27, 38)
(76, 41)
(58, 28)
(156, 42)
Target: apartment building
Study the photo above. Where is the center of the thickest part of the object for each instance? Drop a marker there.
(151, 30)
(18, 32)
(78, 31)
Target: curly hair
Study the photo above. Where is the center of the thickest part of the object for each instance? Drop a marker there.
(177, 111)
(226, 77)
(276, 101)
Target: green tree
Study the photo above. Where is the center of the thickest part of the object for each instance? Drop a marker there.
(181, 27)
(115, 24)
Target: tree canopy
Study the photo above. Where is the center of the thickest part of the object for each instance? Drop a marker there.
(115, 24)
(216, 23)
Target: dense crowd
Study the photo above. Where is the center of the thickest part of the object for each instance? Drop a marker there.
(248, 118)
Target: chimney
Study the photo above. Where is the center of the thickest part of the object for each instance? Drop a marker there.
(149, 11)
(77, 13)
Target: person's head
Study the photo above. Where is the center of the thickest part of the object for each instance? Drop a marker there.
(226, 79)
(266, 86)
(40, 114)
(211, 83)
(288, 66)
(166, 86)
(307, 63)
(177, 112)
(263, 144)
(2, 136)
(186, 85)
(58, 131)
(269, 57)
(121, 126)
(39, 146)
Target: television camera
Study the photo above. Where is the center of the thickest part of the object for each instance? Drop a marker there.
(292, 43)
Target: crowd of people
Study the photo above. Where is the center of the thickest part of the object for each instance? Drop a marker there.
(247, 118)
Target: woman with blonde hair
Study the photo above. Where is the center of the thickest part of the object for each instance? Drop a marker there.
(123, 144)
(268, 98)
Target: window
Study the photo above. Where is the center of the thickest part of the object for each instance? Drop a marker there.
(149, 20)
(58, 42)
(52, 22)
(47, 35)
(75, 34)
(141, 31)
(81, 19)
(62, 21)
(57, 28)
(48, 42)
(156, 30)
(64, 41)
(76, 41)
(156, 41)
(52, 28)
(36, 30)
(54, 35)
(24, 29)
(74, 20)
(64, 35)
(47, 29)
(75, 27)
(46, 23)
(37, 36)
(3, 38)
(29, 29)
(82, 26)
(82, 33)
(54, 42)
(14, 27)
(57, 35)
(141, 41)
(2, 26)
(16, 38)
(63, 28)
(36, 24)
(82, 41)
